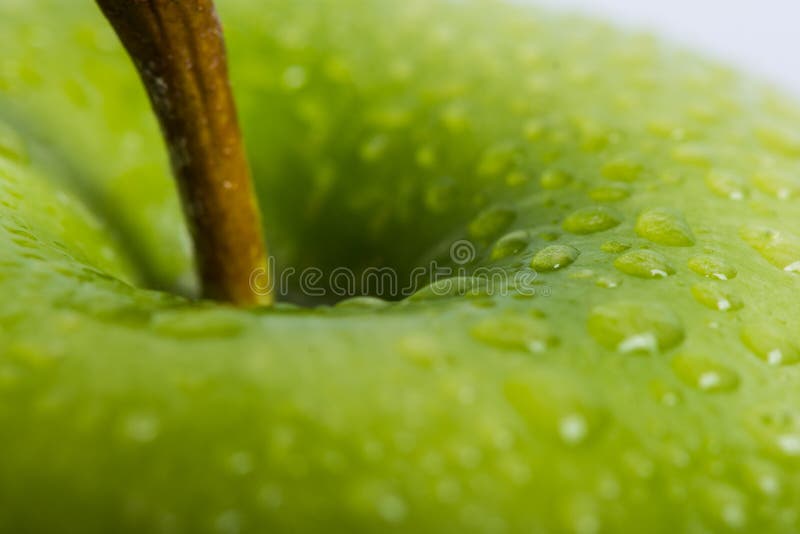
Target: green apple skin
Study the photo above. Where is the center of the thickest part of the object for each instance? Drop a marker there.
(650, 384)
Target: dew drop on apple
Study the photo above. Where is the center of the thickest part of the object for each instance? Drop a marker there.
(582, 274)
(363, 303)
(374, 148)
(763, 476)
(426, 157)
(579, 515)
(573, 428)
(665, 227)
(779, 248)
(554, 179)
(726, 184)
(556, 406)
(240, 463)
(392, 508)
(644, 263)
(614, 247)
(510, 244)
(497, 160)
(614, 192)
(270, 495)
(438, 196)
(695, 154)
(448, 490)
(228, 522)
(725, 506)
(712, 267)
(715, 296)
(294, 77)
(458, 286)
(554, 257)
(623, 169)
(635, 327)
(770, 343)
(422, 350)
(776, 183)
(591, 220)
(665, 394)
(638, 464)
(608, 281)
(780, 140)
(141, 427)
(704, 374)
(491, 223)
(526, 334)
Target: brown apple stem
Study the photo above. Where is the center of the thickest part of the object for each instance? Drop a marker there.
(179, 51)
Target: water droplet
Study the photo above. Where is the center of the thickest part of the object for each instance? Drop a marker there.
(533, 129)
(635, 327)
(270, 495)
(510, 244)
(294, 77)
(392, 508)
(726, 185)
(780, 140)
(692, 154)
(715, 296)
(582, 274)
(240, 463)
(712, 267)
(426, 157)
(780, 249)
(555, 405)
(608, 281)
(789, 444)
(374, 148)
(515, 333)
(644, 264)
(614, 247)
(455, 118)
(623, 170)
(665, 227)
(554, 179)
(725, 506)
(554, 257)
(515, 178)
(491, 223)
(497, 160)
(363, 303)
(438, 196)
(228, 522)
(422, 350)
(573, 428)
(458, 286)
(705, 374)
(141, 427)
(591, 220)
(610, 193)
(770, 343)
(763, 477)
(666, 128)
(664, 394)
(777, 184)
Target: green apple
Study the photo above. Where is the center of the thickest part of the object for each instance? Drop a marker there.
(635, 372)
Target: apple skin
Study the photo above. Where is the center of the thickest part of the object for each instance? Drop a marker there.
(647, 387)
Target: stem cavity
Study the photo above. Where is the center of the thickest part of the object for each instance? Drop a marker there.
(179, 51)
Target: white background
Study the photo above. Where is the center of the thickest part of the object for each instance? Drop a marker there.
(758, 36)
